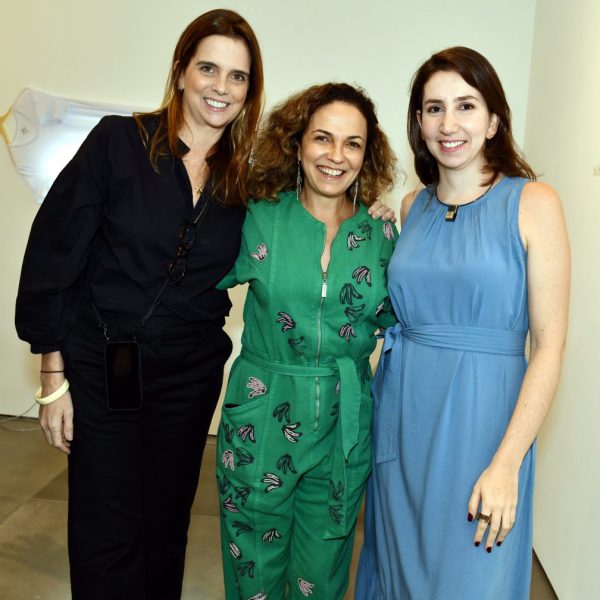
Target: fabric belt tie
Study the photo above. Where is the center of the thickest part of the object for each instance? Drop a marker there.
(386, 386)
(347, 428)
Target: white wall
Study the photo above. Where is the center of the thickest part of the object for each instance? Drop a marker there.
(115, 51)
(563, 142)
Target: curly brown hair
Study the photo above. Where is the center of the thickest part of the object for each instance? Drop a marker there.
(228, 159)
(501, 152)
(274, 158)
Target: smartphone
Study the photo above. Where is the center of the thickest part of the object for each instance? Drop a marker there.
(123, 376)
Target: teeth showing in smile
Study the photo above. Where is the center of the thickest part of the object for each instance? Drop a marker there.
(452, 144)
(331, 172)
(215, 103)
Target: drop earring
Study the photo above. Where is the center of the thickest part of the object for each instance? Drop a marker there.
(299, 183)
(354, 195)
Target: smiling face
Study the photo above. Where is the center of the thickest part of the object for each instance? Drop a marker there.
(332, 150)
(455, 122)
(215, 82)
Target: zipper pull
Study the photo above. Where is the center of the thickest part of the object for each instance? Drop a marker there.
(324, 286)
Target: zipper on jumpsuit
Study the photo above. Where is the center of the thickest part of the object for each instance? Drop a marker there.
(318, 357)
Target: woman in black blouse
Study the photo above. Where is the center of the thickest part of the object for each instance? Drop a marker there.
(103, 253)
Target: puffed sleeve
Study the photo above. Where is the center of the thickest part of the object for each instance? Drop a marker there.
(254, 250)
(59, 245)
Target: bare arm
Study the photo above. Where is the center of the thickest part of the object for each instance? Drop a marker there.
(56, 419)
(543, 231)
(407, 202)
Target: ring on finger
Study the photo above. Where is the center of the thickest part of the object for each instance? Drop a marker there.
(481, 517)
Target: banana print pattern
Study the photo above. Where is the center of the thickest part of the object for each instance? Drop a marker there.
(305, 587)
(366, 229)
(348, 294)
(285, 464)
(347, 331)
(246, 432)
(273, 482)
(266, 438)
(286, 321)
(228, 461)
(244, 457)
(271, 535)
(297, 345)
(234, 550)
(361, 273)
(257, 386)
(354, 313)
(353, 241)
(229, 505)
(261, 252)
(290, 433)
(388, 231)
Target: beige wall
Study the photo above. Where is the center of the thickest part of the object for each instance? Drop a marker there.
(563, 142)
(115, 51)
(119, 52)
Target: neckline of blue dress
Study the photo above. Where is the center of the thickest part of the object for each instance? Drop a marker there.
(478, 201)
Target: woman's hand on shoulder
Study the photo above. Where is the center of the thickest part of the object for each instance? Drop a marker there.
(378, 210)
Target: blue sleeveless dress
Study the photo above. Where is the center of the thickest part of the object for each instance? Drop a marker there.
(445, 390)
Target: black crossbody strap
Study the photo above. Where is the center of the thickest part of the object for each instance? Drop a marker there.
(200, 211)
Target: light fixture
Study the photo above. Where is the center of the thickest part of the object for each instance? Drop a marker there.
(43, 132)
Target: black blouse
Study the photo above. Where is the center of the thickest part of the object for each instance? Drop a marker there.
(106, 232)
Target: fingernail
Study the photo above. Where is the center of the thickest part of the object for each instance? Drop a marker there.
(498, 543)
(477, 543)
(489, 550)
(469, 517)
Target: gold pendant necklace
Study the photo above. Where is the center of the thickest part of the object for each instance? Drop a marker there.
(198, 190)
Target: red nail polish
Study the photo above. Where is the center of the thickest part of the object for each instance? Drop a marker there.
(477, 543)
(469, 517)
(489, 550)
(498, 543)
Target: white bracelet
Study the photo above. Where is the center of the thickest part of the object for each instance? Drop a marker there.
(61, 391)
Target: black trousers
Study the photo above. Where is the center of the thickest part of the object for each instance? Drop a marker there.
(133, 475)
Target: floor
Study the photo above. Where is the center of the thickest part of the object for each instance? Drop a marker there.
(33, 555)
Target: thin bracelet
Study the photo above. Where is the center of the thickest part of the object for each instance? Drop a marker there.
(61, 391)
(41, 371)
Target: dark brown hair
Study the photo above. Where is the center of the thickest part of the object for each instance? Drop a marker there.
(228, 159)
(274, 160)
(501, 152)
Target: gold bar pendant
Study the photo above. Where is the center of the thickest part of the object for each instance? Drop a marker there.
(451, 212)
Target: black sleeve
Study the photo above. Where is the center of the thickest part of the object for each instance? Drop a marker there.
(59, 245)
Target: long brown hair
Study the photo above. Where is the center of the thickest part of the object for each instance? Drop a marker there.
(228, 159)
(501, 152)
(274, 160)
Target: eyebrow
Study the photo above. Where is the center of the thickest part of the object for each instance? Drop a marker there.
(459, 99)
(350, 137)
(208, 63)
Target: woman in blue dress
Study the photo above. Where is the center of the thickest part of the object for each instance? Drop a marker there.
(482, 260)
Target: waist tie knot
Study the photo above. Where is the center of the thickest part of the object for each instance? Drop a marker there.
(386, 384)
(347, 426)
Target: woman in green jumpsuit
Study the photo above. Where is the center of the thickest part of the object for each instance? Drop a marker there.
(294, 441)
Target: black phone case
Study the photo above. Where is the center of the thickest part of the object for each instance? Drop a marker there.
(123, 376)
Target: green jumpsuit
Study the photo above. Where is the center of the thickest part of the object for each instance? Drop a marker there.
(294, 440)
